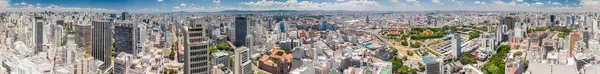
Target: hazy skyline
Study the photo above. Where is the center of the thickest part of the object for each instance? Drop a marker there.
(350, 5)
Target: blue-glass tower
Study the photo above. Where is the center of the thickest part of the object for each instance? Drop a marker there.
(241, 28)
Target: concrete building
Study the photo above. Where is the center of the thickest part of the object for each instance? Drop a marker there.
(241, 28)
(196, 47)
(102, 42)
(277, 62)
(122, 63)
(125, 40)
(220, 58)
(509, 21)
(38, 34)
(242, 61)
(83, 35)
(456, 46)
(434, 68)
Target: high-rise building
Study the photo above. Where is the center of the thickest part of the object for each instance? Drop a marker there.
(434, 68)
(196, 47)
(509, 21)
(456, 46)
(124, 15)
(125, 40)
(242, 61)
(38, 34)
(552, 18)
(122, 63)
(102, 42)
(58, 35)
(83, 36)
(241, 28)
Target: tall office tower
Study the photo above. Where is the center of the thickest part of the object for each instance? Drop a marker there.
(122, 63)
(102, 42)
(509, 21)
(196, 47)
(270, 24)
(250, 43)
(124, 15)
(58, 35)
(434, 68)
(125, 40)
(368, 21)
(242, 61)
(323, 25)
(595, 29)
(552, 18)
(83, 36)
(456, 46)
(38, 34)
(241, 28)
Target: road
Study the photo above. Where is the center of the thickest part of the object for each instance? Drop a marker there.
(401, 49)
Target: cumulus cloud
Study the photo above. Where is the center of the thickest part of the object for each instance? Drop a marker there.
(435, 1)
(160, 0)
(217, 1)
(394, 1)
(182, 5)
(411, 1)
(519, 0)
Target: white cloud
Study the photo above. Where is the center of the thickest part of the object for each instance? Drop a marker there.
(160, 0)
(4, 4)
(38, 4)
(176, 7)
(519, 0)
(182, 5)
(435, 1)
(217, 1)
(339, 0)
(556, 3)
(394, 1)
(477, 2)
(538, 3)
(483, 3)
(23, 3)
(411, 1)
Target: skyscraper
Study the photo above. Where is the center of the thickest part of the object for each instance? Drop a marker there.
(241, 28)
(124, 15)
(242, 61)
(509, 21)
(125, 40)
(102, 42)
(552, 18)
(38, 34)
(456, 46)
(196, 47)
(83, 35)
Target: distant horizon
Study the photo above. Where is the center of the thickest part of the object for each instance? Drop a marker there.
(153, 6)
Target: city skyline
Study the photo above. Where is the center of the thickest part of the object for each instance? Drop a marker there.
(326, 5)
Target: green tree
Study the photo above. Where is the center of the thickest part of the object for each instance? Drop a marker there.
(404, 43)
(213, 49)
(172, 55)
(393, 49)
(415, 45)
(224, 47)
(410, 52)
(468, 59)
(421, 66)
(518, 53)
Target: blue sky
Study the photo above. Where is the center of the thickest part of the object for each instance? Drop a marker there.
(353, 5)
